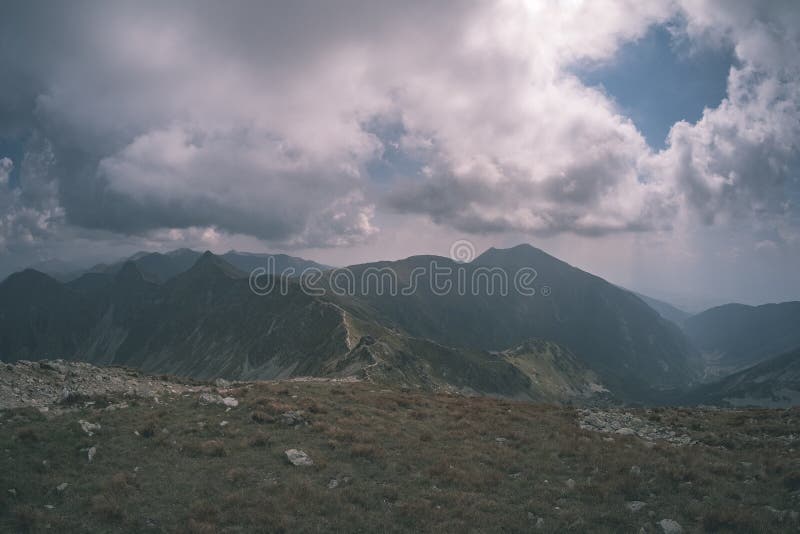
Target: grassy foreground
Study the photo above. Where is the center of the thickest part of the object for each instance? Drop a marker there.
(387, 460)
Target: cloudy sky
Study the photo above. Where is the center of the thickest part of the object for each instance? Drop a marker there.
(653, 143)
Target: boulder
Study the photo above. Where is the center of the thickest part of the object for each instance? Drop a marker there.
(298, 458)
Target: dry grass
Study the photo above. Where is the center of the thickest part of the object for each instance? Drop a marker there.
(391, 461)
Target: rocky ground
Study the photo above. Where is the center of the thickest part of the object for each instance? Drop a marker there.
(624, 423)
(60, 383)
(111, 450)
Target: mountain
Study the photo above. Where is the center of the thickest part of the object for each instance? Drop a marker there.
(772, 383)
(40, 317)
(272, 263)
(163, 267)
(58, 269)
(736, 336)
(633, 350)
(207, 322)
(666, 310)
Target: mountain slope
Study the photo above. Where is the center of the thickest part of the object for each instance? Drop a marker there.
(40, 317)
(666, 310)
(206, 322)
(735, 336)
(610, 330)
(772, 383)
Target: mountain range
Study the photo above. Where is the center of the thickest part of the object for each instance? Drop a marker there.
(572, 337)
(735, 336)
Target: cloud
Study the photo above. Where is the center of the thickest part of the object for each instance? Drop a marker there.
(160, 120)
(741, 158)
(6, 165)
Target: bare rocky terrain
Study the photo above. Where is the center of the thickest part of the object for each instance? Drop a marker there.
(59, 382)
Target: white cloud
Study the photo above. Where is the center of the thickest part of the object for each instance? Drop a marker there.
(6, 165)
(170, 120)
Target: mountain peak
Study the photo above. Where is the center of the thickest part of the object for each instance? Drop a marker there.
(522, 254)
(30, 276)
(211, 264)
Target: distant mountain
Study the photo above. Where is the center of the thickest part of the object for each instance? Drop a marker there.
(736, 336)
(273, 263)
(58, 269)
(162, 267)
(772, 383)
(630, 346)
(666, 310)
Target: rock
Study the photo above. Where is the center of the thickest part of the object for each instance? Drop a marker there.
(223, 423)
(61, 487)
(230, 402)
(626, 432)
(500, 440)
(333, 484)
(222, 383)
(298, 458)
(12, 492)
(570, 484)
(292, 418)
(89, 428)
(91, 453)
(669, 526)
(635, 506)
(636, 470)
(210, 398)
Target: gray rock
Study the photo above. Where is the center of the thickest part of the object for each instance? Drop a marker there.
(669, 526)
(213, 398)
(222, 383)
(89, 428)
(570, 484)
(61, 487)
(636, 470)
(298, 458)
(333, 484)
(626, 432)
(91, 453)
(210, 398)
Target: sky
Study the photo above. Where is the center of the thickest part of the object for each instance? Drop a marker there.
(652, 143)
